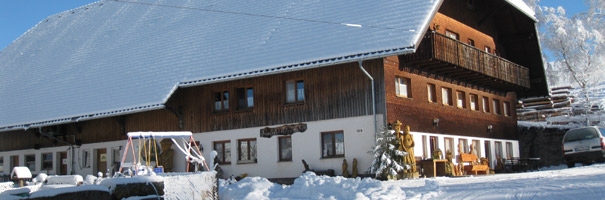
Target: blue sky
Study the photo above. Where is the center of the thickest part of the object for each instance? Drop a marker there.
(18, 16)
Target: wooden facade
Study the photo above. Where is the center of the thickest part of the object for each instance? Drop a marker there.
(420, 113)
(331, 92)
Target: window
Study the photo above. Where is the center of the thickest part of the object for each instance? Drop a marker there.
(295, 91)
(488, 49)
(432, 92)
(14, 161)
(434, 145)
(403, 87)
(474, 102)
(246, 150)
(446, 96)
(449, 145)
(285, 148)
(47, 161)
(498, 150)
(452, 34)
(30, 162)
(1, 164)
(509, 150)
(488, 149)
(476, 148)
(485, 104)
(506, 108)
(425, 154)
(86, 158)
(221, 101)
(460, 99)
(471, 42)
(496, 105)
(245, 98)
(333, 144)
(465, 147)
(223, 150)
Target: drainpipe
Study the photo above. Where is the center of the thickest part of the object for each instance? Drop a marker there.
(373, 99)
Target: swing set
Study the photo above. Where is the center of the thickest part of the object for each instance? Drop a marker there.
(148, 148)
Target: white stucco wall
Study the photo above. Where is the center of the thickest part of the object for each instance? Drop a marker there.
(359, 139)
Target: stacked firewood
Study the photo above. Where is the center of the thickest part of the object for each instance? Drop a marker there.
(558, 103)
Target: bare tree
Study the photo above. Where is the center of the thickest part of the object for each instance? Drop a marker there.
(576, 44)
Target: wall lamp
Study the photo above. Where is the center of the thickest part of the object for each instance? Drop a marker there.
(436, 122)
(489, 128)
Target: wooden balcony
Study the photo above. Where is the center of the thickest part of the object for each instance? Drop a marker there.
(451, 58)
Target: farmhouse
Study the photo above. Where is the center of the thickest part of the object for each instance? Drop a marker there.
(266, 84)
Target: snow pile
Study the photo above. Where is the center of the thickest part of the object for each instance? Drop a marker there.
(64, 180)
(549, 183)
(6, 186)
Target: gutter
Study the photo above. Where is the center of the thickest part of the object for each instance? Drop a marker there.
(373, 99)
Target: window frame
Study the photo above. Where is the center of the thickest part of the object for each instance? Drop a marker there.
(496, 103)
(225, 153)
(245, 98)
(288, 146)
(474, 104)
(448, 144)
(47, 162)
(477, 145)
(251, 150)
(333, 148)
(485, 104)
(446, 96)
(407, 83)
(452, 34)
(498, 149)
(431, 92)
(29, 163)
(434, 145)
(506, 109)
(1, 163)
(460, 99)
(298, 93)
(465, 147)
(223, 102)
(509, 150)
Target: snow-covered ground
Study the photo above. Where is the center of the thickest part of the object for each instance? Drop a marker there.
(586, 182)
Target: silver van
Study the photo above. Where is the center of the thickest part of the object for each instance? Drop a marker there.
(584, 145)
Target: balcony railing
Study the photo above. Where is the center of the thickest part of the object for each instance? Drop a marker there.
(440, 53)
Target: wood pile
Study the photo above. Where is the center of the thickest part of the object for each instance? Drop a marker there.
(538, 108)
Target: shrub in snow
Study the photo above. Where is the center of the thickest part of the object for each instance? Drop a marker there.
(387, 156)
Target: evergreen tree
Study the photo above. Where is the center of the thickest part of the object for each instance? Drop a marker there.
(387, 156)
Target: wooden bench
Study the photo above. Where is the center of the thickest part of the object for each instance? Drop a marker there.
(472, 165)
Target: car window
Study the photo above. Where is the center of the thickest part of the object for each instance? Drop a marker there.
(580, 134)
(602, 131)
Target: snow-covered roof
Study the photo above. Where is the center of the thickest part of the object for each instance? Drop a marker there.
(523, 7)
(124, 56)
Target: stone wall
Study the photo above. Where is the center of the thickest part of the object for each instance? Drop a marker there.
(542, 142)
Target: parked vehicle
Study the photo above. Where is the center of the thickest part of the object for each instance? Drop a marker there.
(584, 145)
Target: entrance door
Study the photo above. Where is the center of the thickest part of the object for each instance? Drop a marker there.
(63, 163)
(101, 161)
